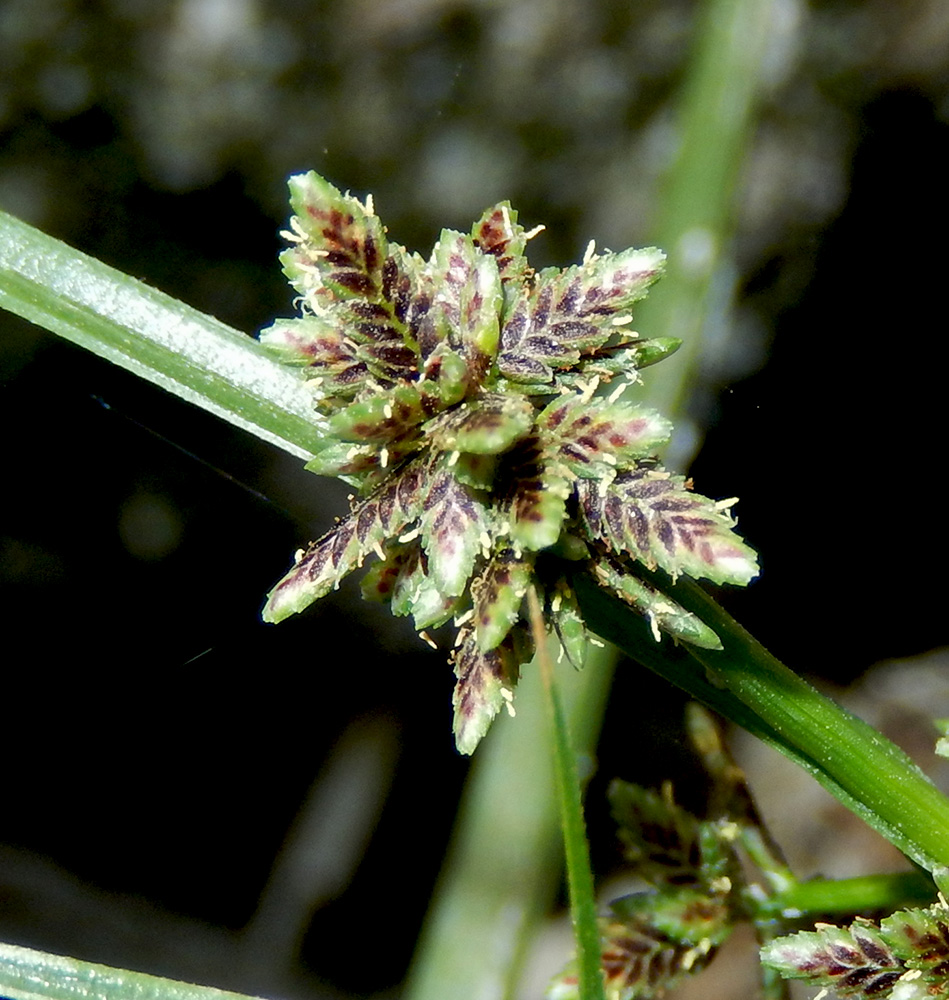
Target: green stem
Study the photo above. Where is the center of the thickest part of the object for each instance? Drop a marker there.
(863, 894)
(576, 849)
(747, 685)
(757, 844)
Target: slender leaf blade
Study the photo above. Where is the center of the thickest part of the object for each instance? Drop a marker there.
(583, 911)
(26, 974)
(150, 334)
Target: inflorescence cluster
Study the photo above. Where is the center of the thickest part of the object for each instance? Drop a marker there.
(460, 397)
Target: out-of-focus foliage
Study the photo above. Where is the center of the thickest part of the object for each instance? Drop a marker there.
(442, 107)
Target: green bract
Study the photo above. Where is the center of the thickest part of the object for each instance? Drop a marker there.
(458, 396)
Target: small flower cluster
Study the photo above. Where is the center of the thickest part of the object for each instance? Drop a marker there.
(903, 957)
(654, 939)
(458, 396)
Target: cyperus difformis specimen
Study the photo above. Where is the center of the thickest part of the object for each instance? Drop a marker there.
(457, 396)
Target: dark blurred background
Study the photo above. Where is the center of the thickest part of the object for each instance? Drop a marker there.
(158, 739)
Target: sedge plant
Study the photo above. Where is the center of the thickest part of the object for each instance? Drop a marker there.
(507, 484)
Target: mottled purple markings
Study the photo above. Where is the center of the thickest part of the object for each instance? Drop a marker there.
(573, 330)
(541, 307)
(370, 252)
(612, 508)
(545, 346)
(396, 288)
(472, 668)
(458, 270)
(438, 491)
(474, 307)
(675, 504)
(514, 328)
(354, 373)
(315, 559)
(638, 484)
(376, 331)
(666, 535)
(449, 527)
(370, 310)
(589, 502)
(366, 520)
(397, 355)
(344, 535)
(568, 301)
(407, 489)
(573, 452)
(555, 417)
(353, 281)
(517, 366)
(639, 528)
(386, 501)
